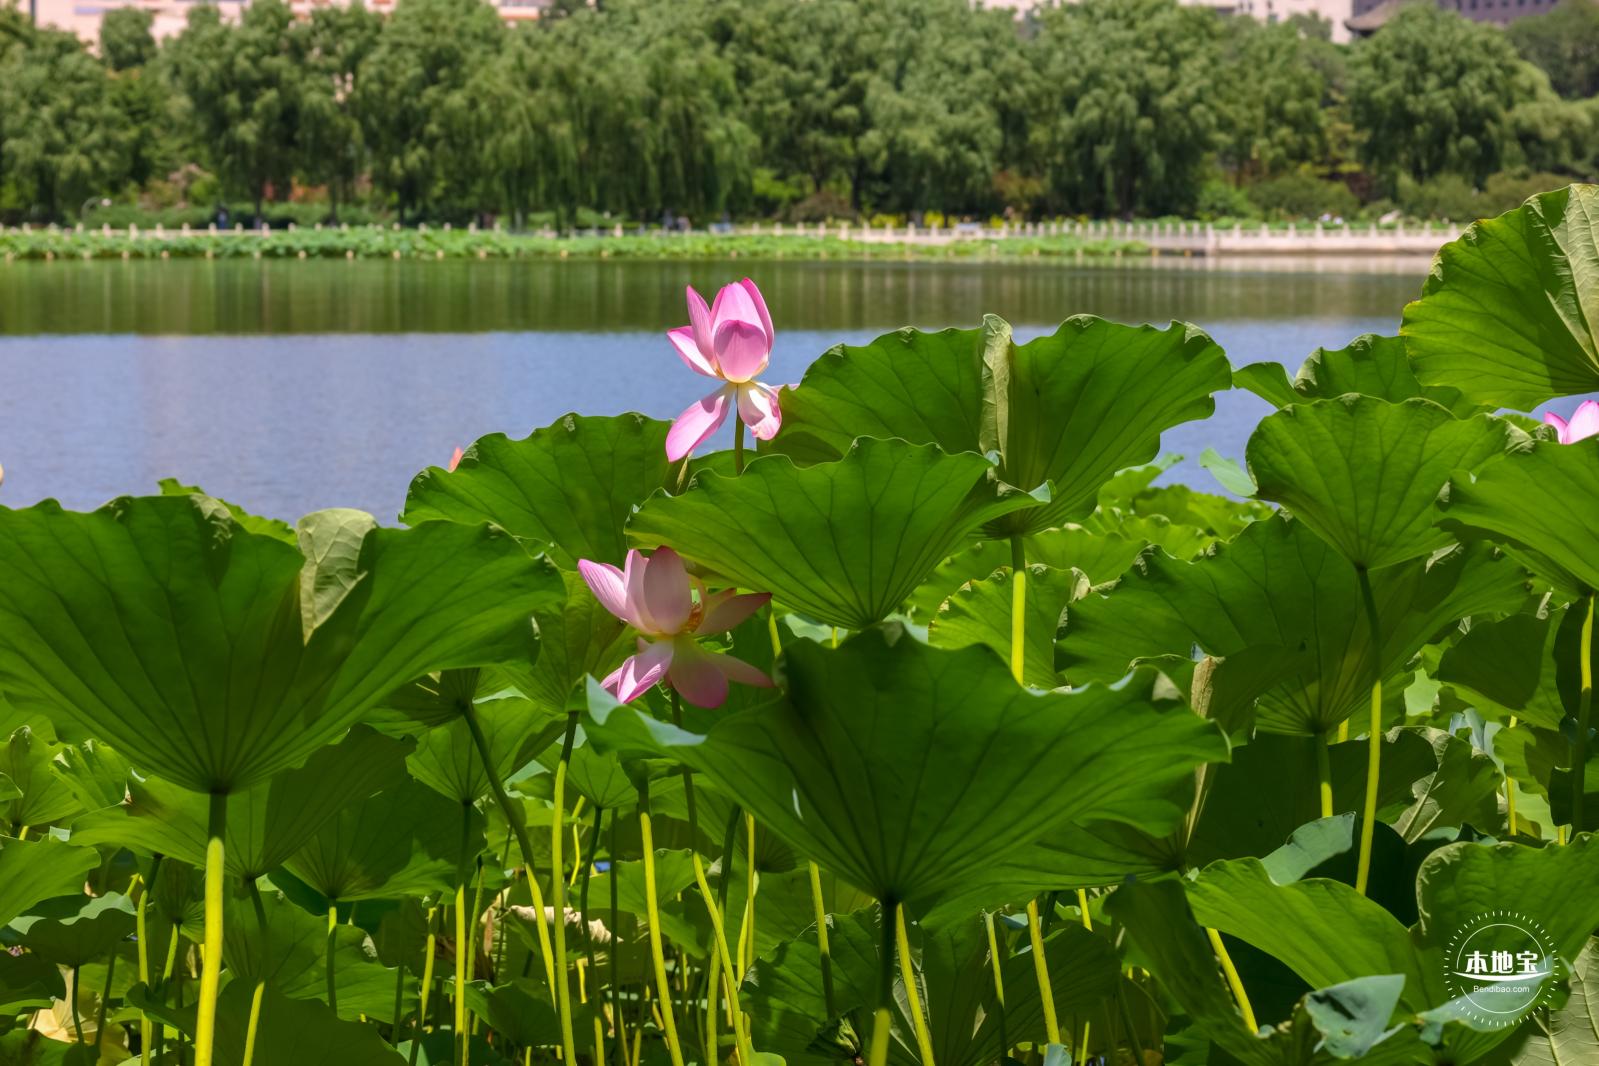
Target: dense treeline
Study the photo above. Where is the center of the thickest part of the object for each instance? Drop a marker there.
(820, 108)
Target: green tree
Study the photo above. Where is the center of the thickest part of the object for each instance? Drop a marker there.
(1277, 117)
(1565, 44)
(125, 40)
(1434, 93)
(330, 48)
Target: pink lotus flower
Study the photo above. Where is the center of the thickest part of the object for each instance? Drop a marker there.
(455, 459)
(1584, 423)
(731, 340)
(654, 595)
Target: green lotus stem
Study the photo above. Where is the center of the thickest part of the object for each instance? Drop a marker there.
(563, 991)
(1234, 982)
(723, 960)
(620, 1040)
(333, 928)
(746, 947)
(913, 997)
(1088, 924)
(1324, 775)
(657, 954)
(738, 444)
(1579, 768)
(399, 1003)
(205, 1030)
(254, 1024)
(77, 1022)
(588, 931)
(1510, 791)
(999, 979)
(1368, 818)
(260, 986)
(1018, 608)
(881, 1020)
(820, 908)
(524, 843)
(1127, 1020)
(1046, 993)
(140, 932)
(462, 1036)
(713, 1004)
(430, 949)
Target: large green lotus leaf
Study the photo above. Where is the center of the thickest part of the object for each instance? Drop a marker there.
(597, 776)
(290, 955)
(1568, 1033)
(980, 613)
(298, 1031)
(1370, 365)
(1510, 314)
(1278, 585)
(1463, 790)
(674, 872)
(843, 542)
(42, 798)
(520, 1010)
(855, 769)
(266, 824)
(28, 983)
(1363, 473)
(515, 728)
(1070, 409)
(403, 841)
(1506, 668)
(94, 773)
(577, 638)
(572, 484)
(1100, 557)
(73, 931)
(1540, 502)
(214, 657)
(36, 870)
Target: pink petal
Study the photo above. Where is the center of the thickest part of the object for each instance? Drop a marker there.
(1585, 423)
(734, 304)
(695, 424)
(696, 677)
(638, 672)
(759, 410)
(760, 309)
(455, 459)
(688, 350)
(741, 671)
(608, 584)
(1552, 419)
(741, 350)
(700, 322)
(667, 598)
(725, 610)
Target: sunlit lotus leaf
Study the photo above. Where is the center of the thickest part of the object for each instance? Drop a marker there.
(266, 824)
(597, 776)
(42, 798)
(1540, 503)
(1070, 409)
(35, 870)
(571, 484)
(1278, 585)
(577, 637)
(1568, 1032)
(674, 872)
(854, 769)
(299, 1031)
(402, 841)
(1101, 557)
(515, 728)
(251, 523)
(94, 772)
(214, 657)
(1510, 314)
(1363, 473)
(843, 542)
(1370, 365)
(1508, 668)
(980, 613)
(291, 957)
(1463, 790)
(70, 931)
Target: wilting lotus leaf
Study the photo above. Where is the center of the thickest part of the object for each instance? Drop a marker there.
(402, 841)
(1541, 503)
(214, 657)
(1370, 365)
(1278, 585)
(70, 931)
(1071, 408)
(298, 1031)
(980, 613)
(42, 798)
(571, 485)
(843, 542)
(1363, 473)
(35, 870)
(1510, 313)
(266, 824)
(854, 769)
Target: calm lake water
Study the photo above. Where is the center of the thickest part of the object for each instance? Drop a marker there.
(289, 386)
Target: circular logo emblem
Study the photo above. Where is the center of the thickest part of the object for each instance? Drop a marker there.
(1501, 965)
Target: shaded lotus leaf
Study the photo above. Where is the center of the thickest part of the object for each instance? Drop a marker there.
(1101, 557)
(674, 872)
(515, 729)
(1070, 409)
(980, 613)
(266, 824)
(1363, 473)
(572, 484)
(843, 542)
(72, 931)
(403, 841)
(1369, 365)
(520, 1010)
(28, 983)
(1279, 586)
(1506, 668)
(215, 658)
(597, 776)
(577, 638)
(299, 1031)
(1510, 311)
(1463, 790)
(290, 955)
(95, 774)
(1566, 1033)
(42, 797)
(853, 769)
(36, 870)
(1540, 503)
